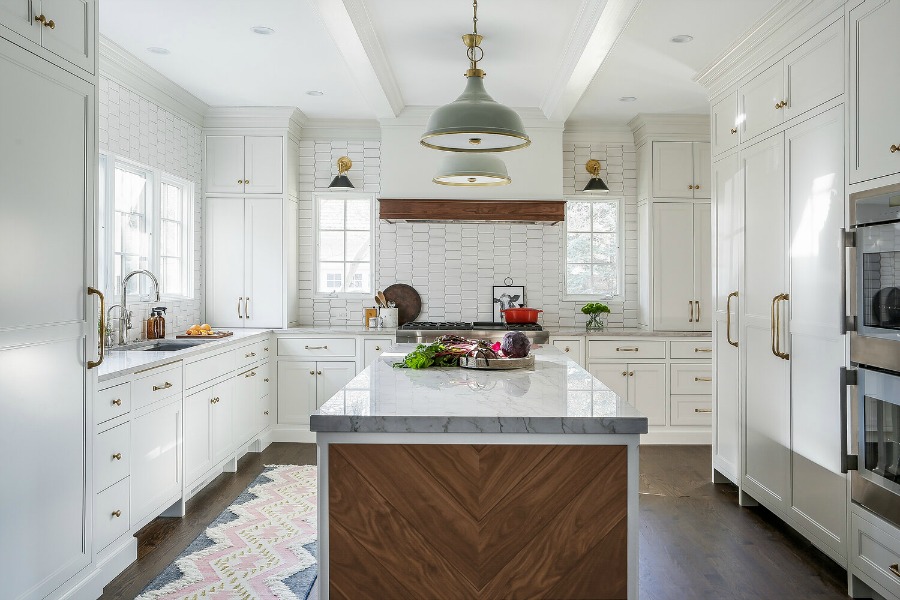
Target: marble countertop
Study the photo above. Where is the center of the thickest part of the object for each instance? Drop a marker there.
(626, 332)
(557, 396)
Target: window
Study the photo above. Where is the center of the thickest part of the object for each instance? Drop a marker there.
(146, 222)
(344, 236)
(593, 248)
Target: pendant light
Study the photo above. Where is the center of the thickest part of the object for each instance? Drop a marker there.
(341, 181)
(595, 185)
(471, 170)
(475, 122)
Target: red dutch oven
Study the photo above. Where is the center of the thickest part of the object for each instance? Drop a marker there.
(521, 315)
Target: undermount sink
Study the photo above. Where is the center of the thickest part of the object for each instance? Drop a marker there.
(159, 346)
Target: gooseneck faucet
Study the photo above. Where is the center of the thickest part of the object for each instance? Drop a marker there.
(125, 321)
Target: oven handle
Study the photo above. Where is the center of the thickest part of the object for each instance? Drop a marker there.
(849, 462)
(848, 240)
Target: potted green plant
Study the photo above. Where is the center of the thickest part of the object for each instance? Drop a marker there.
(597, 313)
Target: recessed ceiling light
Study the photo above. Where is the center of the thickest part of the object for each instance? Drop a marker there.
(682, 39)
(315, 93)
(261, 30)
(158, 50)
(627, 99)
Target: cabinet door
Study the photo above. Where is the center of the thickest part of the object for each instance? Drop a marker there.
(702, 168)
(766, 376)
(197, 443)
(373, 347)
(673, 170)
(224, 232)
(724, 124)
(296, 392)
(811, 73)
(46, 324)
(17, 16)
(673, 266)
(246, 406)
(224, 164)
(572, 347)
(759, 98)
(263, 253)
(874, 89)
(815, 159)
(702, 268)
(331, 377)
(728, 240)
(726, 402)
(647, 390)
(155, 460)
(263, 164)
(612, 375)
(72, 36)
(222, 421)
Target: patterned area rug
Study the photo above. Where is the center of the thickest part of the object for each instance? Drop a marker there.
(263, 546)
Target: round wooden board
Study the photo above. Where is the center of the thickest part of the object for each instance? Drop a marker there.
(408, 301)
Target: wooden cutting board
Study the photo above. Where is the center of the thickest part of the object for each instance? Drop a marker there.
(212, 336)
(409, 303)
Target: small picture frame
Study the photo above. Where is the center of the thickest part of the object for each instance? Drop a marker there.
(507, 296)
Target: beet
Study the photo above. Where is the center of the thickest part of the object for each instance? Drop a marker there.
(515, 344)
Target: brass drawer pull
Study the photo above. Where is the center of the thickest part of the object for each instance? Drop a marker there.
(733, 130)
(250, 374)
(252, 354)
(117, 456)
(702, 410)
(895, 148)
(627, 349)
(165, 386)
(691, 311)
(728, 319)
(117, 513)
(702, 378)
(117, 402)
(702, 349)
(895, 569)
(315, 347)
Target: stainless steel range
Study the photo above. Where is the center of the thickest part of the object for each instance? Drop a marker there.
(428, 331)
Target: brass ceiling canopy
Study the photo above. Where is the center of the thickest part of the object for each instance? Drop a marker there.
(596, 184)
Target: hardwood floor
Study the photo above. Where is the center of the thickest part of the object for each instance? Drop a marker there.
(695, 541)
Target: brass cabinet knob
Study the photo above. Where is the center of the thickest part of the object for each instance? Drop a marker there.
(50, 24)
(212, 400)
(377, 348)
(252, 354)
(567, 349)
(690, 187)
(117, 402)
(117, 513)
(266, 349)
(266, 380)
(240, 181)
(312, 372)
(246, 181)
(631, 373)
(265, 412)
(781, 104)
(696, 187)
(624, 373)
(733, 130)
(41, 19)
(895, 148)
(117, 456)
(318, 372)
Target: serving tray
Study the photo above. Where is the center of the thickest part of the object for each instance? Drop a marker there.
(468, 362)
(212, 336)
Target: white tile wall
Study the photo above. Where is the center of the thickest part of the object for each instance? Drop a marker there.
(136, 128)
(455, 266)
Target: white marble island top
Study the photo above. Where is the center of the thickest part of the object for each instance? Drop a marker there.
(557, 397)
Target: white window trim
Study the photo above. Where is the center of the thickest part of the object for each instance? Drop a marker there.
(315, 235)
(620, 267)
(156, 177)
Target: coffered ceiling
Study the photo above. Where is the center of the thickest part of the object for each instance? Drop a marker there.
(571, 59)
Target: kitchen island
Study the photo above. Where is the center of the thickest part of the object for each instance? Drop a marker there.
(456, 483)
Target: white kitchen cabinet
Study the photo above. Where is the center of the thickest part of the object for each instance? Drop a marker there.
(65, 28)
(874, 89)
(47, 325)
(197, 434)
(221, 421)
(760, 102)
(681, 266)
(155, 460)
(573, 347)
(812, 73)
(643, 385)
(725, 124)
(373, 347)
(244, 164)
(681, 169)
(303, 386)
(250, 391)
(245, 262)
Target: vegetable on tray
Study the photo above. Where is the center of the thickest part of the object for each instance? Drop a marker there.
(446, 351)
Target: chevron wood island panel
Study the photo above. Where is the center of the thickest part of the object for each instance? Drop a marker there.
(477, 521)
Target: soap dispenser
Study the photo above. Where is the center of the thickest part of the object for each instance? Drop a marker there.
(156, 324)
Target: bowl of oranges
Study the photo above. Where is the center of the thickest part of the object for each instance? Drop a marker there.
(200, 330)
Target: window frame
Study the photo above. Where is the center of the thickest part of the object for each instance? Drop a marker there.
(618, 296)
(370, 197)
(156, 178)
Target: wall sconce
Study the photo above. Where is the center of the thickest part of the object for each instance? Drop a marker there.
(341, 181)
(595, 185)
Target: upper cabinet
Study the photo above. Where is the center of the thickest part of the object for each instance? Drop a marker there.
(241, 164)
(725, 124)
(681, 169)
(64, 28)
(875, 85)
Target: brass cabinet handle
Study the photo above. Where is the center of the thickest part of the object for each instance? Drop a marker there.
(117, 402)
(702, 410)
(698, 306)
(164, 386)
(772, 324)
(895, 148)
(691, 306)
(117, 456)
(92, 290)
(895, 569)
(733, 130)
(627, 349)
(728, 319)
(250, 374)
(702, 349)
(240, 315)
(247, 304)
(250, 355)
(315, 347)
(776, 327)
(117, 513)
(45, 22)
(702, 378)
(318, 372)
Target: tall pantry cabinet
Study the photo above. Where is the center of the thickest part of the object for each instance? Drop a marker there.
(48, 320)
(778, 196)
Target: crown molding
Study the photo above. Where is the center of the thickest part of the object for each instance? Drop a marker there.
(256, 117)
(584, 134)
(417, 116)
(693, 128)
(341, 129)
(121, 66)
(787, 23)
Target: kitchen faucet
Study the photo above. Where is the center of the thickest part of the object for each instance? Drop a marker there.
(125, 321)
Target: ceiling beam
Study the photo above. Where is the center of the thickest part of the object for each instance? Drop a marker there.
(348, 23)
(599, 25)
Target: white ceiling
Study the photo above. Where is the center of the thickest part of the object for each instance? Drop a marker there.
(410, 53)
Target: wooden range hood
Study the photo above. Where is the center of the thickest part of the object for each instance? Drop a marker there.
(405, 210)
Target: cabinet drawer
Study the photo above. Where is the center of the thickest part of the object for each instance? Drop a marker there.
(691, 379)
(373, 347)
(252, 354)
(157, 384)
(208, 369)
(112, 402)
(691, 410)
(572, 347)
(112, 456)
(875, 551)
(112, 514)
(626, 349)
(693, 350)
(317, 347)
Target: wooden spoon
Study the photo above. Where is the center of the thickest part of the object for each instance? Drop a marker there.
(382, 301)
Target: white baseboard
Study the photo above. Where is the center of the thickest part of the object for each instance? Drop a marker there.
(89, 584)
(292, 433)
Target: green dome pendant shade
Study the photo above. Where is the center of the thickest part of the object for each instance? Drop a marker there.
(471, 170)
